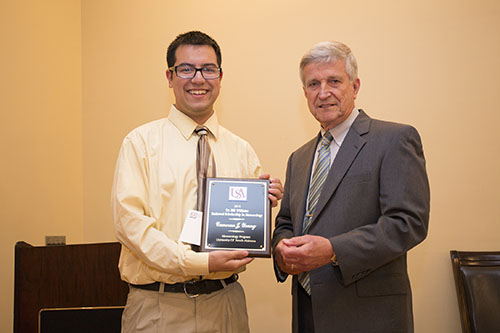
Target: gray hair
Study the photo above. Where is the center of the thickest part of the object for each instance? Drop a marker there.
(325, 52)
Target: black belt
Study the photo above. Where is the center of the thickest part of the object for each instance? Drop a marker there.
(190, 288)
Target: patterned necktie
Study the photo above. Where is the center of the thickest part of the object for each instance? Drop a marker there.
(203, 154)
(318, 179)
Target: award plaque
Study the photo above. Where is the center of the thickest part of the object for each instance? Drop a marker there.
(237, 216)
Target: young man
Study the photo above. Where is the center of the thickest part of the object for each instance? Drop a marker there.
(172, 287)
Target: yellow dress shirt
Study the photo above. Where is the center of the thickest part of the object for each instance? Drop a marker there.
(154, 188)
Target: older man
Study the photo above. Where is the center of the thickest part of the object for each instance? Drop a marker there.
(356, 200)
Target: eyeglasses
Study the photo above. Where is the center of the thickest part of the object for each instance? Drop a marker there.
(186, 71)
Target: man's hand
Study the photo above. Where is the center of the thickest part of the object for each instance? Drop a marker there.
(303, 253)
(275, 189)
(280, 260)
(227, 261)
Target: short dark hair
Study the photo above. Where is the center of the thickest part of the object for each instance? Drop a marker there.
(192, 38)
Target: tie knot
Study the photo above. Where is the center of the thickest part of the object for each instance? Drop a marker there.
(327, 138)
(201, 130)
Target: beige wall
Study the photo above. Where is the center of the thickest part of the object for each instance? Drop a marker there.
(432, 64)
(40, 130)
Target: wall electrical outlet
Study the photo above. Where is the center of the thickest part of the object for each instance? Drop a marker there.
(55, 240)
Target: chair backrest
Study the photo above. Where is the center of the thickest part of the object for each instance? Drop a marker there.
(477, 281)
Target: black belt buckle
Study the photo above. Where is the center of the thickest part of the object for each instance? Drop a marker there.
(186, 292)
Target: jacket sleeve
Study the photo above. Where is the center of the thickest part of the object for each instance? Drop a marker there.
(284, 226)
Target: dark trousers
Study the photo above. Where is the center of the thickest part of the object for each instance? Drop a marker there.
(306, 323)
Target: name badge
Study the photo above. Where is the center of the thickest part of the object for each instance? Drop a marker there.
(191, 231)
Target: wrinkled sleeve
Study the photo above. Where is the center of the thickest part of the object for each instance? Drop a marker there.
(134, 226)
(254, 167)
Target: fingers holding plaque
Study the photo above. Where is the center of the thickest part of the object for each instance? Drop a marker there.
(237, 216)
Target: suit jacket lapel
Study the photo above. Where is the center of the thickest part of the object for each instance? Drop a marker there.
(350, 148)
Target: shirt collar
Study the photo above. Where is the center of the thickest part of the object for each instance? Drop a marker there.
(339, 132)
(187, 125)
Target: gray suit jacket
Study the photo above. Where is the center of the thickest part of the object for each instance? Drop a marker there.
(373, 208)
